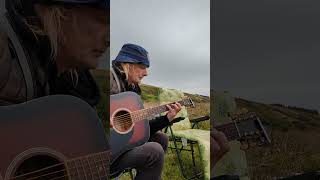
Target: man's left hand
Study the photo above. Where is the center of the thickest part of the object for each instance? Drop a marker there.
(173, 110)
(219, 146)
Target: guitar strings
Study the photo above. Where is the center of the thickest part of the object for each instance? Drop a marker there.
(66, 175)
(133, 113)
(44, 175)
(140, 110)
(182, 102)
(128, 118)
(54, 172)
(124, 121)
(65, 164)
(103, 166)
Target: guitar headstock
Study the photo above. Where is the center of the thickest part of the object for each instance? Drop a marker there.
(250, 130)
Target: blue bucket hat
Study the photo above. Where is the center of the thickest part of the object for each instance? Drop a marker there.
(131, 53)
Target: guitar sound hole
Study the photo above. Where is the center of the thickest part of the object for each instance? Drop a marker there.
(41, 168)
(122, 121)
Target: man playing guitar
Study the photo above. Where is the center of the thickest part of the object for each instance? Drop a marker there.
(47, 48)
(128, 69)
(59, 48)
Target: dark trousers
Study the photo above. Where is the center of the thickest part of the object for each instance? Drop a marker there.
(147, 159)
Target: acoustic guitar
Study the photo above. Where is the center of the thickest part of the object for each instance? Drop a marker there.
(53, 138)
(130, 121)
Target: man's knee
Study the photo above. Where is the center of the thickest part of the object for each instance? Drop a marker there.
(165, 141)
(162, 139)
(155, 153)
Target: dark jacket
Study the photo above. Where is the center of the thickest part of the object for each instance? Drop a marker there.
(156, 124)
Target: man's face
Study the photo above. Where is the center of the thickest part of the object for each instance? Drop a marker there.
(136, 73)
(87, 35)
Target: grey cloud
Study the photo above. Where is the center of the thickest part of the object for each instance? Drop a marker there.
(176, 34)
(268, 50)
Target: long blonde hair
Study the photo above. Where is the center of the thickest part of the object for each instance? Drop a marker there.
(48, 23)
(126, 67)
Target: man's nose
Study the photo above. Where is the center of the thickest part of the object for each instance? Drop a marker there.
(145, 72)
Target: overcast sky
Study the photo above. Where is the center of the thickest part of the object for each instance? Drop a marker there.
(176, 33)
(268, 51)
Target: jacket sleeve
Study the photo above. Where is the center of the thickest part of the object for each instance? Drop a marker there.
(158, 124)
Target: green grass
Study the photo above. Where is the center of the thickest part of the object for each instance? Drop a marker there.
(171, 168)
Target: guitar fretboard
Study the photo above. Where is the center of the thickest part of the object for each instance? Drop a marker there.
(152, 112)
(246, 127)
(95, 166)
(230, 131)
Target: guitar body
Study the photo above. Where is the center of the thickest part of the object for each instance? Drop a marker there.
(46, 131)
(138, 135)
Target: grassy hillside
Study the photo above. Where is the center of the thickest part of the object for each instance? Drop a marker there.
(295, 141)
(282, 117)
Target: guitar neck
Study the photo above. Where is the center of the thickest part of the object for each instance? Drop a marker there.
(150, 113)
(246, 127)
(230, 130)
(94, 166)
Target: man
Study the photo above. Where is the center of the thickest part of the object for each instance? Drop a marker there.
(128, 69)
(62, 40)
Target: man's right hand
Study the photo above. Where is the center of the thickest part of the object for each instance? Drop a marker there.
(218, 146)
